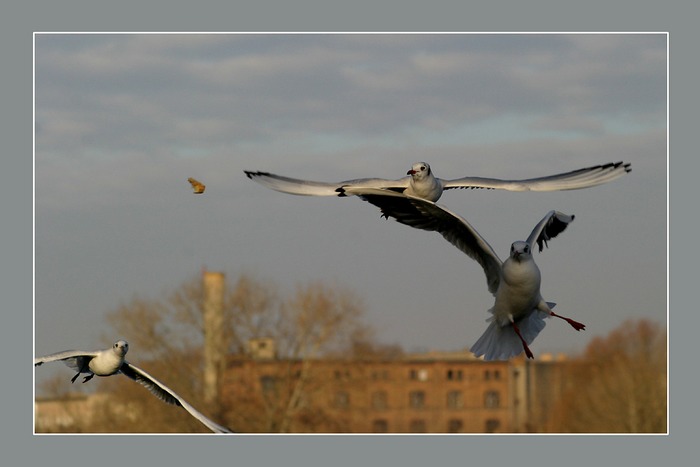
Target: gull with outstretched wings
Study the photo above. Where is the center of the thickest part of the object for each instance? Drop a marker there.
(422, 183)
(519, 310)
(111, 362)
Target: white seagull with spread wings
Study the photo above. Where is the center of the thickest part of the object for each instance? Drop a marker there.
(519, 309)
(110, 362)
(421, 182)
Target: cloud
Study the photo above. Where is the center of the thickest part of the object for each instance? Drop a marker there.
(239, 88)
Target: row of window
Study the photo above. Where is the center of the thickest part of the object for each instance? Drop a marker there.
(452, 375)
(417, 400)
(420, 374)
(419, 426)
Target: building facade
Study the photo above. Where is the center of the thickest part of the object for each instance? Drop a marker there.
(437, 392)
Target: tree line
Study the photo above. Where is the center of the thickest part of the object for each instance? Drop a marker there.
(618, 384)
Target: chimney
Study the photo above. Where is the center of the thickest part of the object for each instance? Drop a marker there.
(213, 319)
(262, 348)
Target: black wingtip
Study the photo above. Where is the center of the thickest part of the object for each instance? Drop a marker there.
(251, 174)
(625, 165)
(341, 192)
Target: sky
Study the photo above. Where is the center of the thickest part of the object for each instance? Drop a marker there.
(122, 120)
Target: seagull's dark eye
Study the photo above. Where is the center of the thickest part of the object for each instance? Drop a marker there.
(422, 168)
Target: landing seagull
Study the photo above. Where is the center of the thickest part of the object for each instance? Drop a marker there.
(421, 182)
(110, 362)
(519, 309)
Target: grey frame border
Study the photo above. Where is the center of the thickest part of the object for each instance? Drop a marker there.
(18, 23)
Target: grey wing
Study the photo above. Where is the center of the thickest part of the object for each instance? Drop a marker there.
(310, 188)
(549, 227)
(423, 214)
(574, 180)
(164, 393)
(75, 359)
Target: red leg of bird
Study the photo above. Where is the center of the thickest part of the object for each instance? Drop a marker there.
(575, 324)
(528, 352)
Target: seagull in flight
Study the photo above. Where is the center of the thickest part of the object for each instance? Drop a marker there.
(422, 183)
(519, 309)
(110, 362)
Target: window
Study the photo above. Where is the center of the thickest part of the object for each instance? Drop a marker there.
(416, 399)
(267, 383)
(380, 426)
(380, 375)
(492, 425)
(341, 400)
(454, 375)
(455, 400)
(496, 374)
(417, 426)
(492, 399)
(455, 426)
(379, 400)
(420, 375)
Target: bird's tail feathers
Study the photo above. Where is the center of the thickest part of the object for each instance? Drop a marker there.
(502, 343)
(531, 326)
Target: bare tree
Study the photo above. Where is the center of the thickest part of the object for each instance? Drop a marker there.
(56, 387)
(164, 342)
(618, 385)
(253, 310)
(319, 320)
(165, 337)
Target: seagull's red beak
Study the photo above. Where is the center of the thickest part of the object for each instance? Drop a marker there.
(411, 172)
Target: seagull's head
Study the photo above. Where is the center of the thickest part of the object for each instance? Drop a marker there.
(419, 170)
(121, 347)
(520, 251)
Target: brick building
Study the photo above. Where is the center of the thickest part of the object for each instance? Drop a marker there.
(439, 392)
(436, 392)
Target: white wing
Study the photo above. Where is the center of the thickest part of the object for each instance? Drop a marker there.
(310, 188)
(426, 215)
(549, 227)
(574, 180)
(74, 359)
(167, 395)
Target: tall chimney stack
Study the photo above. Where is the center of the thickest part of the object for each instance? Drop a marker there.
(213, 319)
